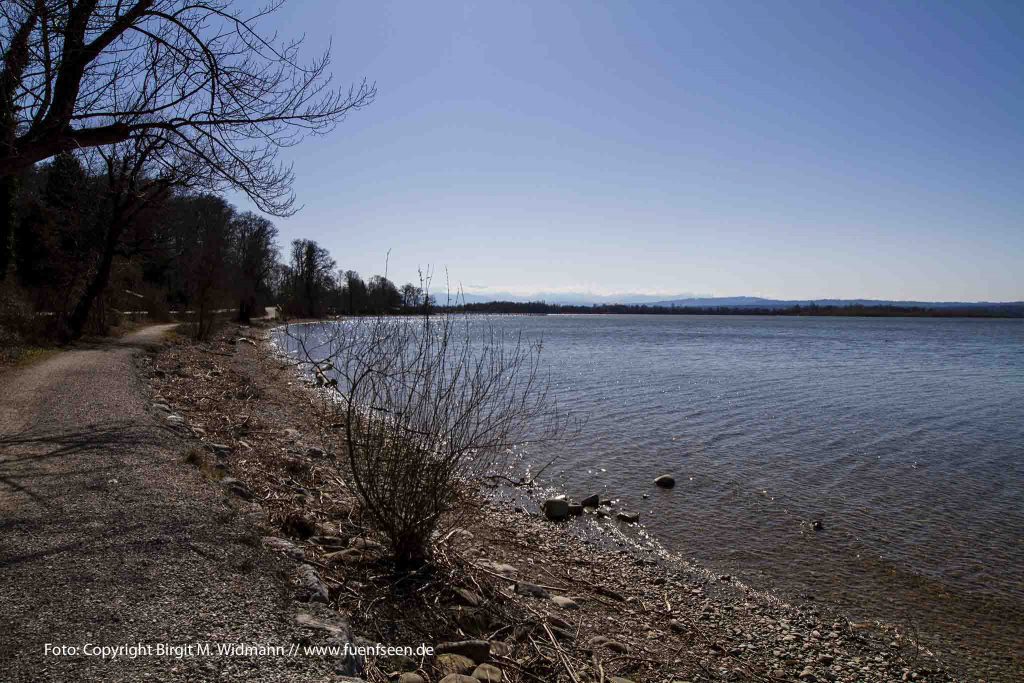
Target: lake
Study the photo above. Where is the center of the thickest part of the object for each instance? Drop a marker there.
(904, 437)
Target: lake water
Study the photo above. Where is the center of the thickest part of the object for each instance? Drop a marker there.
(904, 437)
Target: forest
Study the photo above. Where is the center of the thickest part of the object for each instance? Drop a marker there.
(81, 262)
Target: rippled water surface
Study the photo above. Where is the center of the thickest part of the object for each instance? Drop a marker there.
(905, 437)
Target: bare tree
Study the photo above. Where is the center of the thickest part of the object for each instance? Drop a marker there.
(138, 178)
(411, 296)
(383, 296)
(200, 73)
(311, 278)
(427, 407)
(253, 254)
(209, 222)
(139, 175)
(355, 294)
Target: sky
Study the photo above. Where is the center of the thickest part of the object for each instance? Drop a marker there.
(785, 150)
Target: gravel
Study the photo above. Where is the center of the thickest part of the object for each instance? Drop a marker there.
(109, 539)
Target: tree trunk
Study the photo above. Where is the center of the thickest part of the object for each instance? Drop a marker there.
(245, 309)
(79, 316)
(8, 190)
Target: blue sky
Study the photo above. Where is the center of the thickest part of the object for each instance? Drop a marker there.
(790, 150)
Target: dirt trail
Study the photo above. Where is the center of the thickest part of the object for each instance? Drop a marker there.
(107, 538)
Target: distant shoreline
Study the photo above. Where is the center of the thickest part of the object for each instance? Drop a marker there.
(860, 311)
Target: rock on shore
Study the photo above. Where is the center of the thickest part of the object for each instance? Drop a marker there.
(665, 481)
(556, 509)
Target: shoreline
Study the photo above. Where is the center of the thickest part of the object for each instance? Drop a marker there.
(649, 607)
(975, 626)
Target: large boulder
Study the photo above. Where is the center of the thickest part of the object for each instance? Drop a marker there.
(556, 509)
(591, 501)
(236, 487)
(311, 586)
(608, 644)
(532, 590)
(488, 673)
(497, 567)
(285, 547)
(665, 481)
(328, 541)
(339, 634)
(565, 602)
(477, 650)
(333, 624)
(363, 543)
(458, 678)
(466, 597)
(351, 556)
(449, 664)
(472, 620)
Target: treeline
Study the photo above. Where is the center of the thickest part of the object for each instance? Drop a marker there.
(311, 285)
(882, 311)
(81, 260)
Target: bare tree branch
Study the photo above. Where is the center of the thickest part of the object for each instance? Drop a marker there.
(99, 72)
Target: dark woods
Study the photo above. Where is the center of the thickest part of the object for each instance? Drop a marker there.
(84, 256)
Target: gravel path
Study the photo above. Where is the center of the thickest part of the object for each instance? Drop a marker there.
(107, 538)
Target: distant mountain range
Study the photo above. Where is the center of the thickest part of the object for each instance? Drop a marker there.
(560, 298)
(587, 299)
(757, 302)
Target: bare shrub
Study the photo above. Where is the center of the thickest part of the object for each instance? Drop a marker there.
(426, 407)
